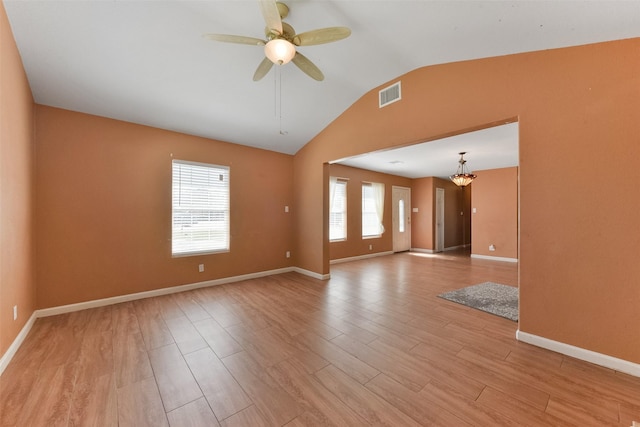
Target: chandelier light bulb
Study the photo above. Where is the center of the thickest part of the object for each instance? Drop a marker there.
(462, 177)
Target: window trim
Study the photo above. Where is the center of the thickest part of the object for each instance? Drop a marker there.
(228, 222)
(344, 181)
(367, 236)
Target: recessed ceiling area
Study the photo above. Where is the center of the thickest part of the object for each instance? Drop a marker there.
(490, 148)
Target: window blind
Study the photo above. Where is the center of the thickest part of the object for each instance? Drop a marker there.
(338, 210)
(200, 208)
(372, 209)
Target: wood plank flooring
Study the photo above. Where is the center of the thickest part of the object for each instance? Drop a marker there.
(372, 346)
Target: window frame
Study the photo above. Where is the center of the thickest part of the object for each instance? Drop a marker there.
(374, 212)
(344, 182)
(225, 209)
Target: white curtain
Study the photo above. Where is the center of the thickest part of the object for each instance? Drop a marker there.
(378, 196)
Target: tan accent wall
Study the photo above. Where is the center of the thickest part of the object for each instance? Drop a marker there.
(457, 221)
(578, 112)
(355, 245)
(424, 221)
(104, 208)
(495, 222)
(17, 250)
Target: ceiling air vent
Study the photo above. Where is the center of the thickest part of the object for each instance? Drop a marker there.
(390, 94)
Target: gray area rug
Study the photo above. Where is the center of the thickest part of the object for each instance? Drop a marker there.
(494, 298)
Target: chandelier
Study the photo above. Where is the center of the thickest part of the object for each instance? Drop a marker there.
(462, 178)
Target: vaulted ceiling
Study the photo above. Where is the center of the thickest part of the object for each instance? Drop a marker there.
(146, 61)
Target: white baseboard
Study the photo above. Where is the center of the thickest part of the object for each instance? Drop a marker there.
(494, 258)
(423, 251)
(359, 257)
(154, 293)
(454, 248)
(45, 312)
(433, 251)
(15, 345)
(311, 273)
(600, 359)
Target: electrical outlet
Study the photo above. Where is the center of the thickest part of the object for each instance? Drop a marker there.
(201, 268)
(370, 247)
(15, 312)
(286, 209)
(288, 254)
(492, 248)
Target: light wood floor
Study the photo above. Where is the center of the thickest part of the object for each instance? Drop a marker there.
(371, 346)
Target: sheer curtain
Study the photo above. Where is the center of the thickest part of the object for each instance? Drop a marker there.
(332, 191)
(378, 196)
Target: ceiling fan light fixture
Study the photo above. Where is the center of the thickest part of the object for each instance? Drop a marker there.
(462, 177)
(279, 51)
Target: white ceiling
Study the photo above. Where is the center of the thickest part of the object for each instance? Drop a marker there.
(146, 61)
(490, 148)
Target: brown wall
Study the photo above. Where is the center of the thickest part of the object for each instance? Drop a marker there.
(104, 208)
(355, 245)
(423, 232)
(422, 222)
(17, 254)
(457, 228)
(102, 219)
(578, 112)
(495, 222)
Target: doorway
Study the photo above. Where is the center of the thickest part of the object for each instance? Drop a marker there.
(401, 218)
(439, 247)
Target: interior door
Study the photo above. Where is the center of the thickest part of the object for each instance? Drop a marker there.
(401, 218)
(439, 219)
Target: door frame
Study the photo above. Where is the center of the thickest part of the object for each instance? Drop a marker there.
(439, 221)
(406, 244)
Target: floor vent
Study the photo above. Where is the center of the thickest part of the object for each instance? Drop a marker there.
(390, 94)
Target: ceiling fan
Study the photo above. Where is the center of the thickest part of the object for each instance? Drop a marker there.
(282, 40)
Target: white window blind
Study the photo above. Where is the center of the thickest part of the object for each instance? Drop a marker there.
(337, 209)
(369, 216)
(200, 208)
(372, 209)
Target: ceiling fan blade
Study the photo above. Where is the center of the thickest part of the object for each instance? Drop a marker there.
(323, 35)
(307, 67)
(263, 69)
(227, 38)
(271, 15)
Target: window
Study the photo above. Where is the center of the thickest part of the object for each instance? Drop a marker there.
(372, 209)
(401, 217)
(337, 209)
(200, 208)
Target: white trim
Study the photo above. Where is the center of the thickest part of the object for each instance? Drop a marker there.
(46, 312)
(424, 251)
(312, 273)
(154, 293)
(15, 345)
(388, 88)
(359, 257)
(432, 251)
(610, 362)
(494, 258)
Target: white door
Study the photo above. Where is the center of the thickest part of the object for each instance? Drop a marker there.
(401, 218)
(439, 219)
